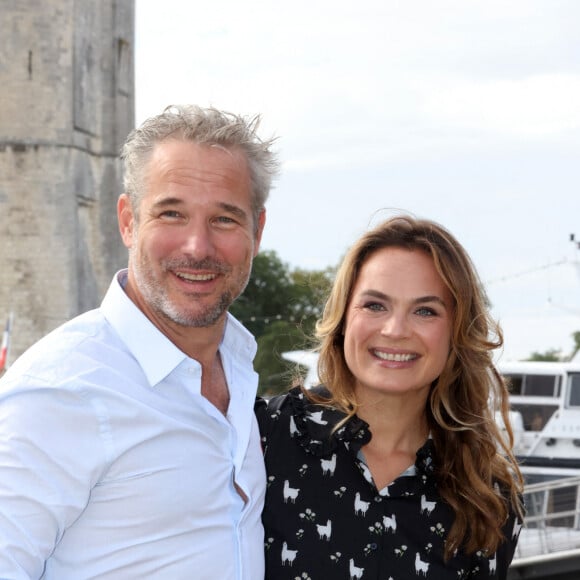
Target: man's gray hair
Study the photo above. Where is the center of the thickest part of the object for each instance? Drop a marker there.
(205, 126)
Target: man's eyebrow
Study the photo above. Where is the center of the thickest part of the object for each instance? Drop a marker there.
(167, 201)
(230, 208)
(236, 210)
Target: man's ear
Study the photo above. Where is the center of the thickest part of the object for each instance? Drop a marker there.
(126, 219)
(259, 230)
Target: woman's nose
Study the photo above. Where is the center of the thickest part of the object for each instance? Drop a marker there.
(396, 324)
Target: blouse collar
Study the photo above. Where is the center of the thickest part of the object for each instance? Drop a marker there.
(315, 423)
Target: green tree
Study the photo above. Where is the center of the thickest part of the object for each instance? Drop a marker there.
(310, 289)
(267, 295)
(576, 338)
(551, 355)
(554, 355)
(276, 373)
(280, 307)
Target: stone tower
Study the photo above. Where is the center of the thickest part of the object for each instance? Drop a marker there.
(66, 105)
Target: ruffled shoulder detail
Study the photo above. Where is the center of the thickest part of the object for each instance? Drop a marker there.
(425, 462)
(314, 424)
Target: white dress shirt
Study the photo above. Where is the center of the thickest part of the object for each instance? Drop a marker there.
(114, 466)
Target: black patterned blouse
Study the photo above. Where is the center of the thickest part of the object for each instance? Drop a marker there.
(325, 519)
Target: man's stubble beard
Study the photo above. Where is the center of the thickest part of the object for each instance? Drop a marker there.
(156, 298)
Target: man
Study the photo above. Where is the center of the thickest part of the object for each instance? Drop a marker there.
(128, 444)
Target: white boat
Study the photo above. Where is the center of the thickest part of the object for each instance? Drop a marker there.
(549, 544)
(545, 415)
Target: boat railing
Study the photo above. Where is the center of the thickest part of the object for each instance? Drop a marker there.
(552, 523)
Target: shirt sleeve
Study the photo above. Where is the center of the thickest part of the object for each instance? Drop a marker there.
(506, 550)
(267, 412)
(497, 566)
(51, 455)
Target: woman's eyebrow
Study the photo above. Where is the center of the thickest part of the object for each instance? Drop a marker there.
(419, 300)
(429, 298)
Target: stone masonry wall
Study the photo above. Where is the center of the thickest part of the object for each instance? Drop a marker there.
(67, 104)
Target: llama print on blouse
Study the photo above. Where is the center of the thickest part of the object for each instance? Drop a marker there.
(420, 566)
(293, 428)
(360, 506)
(316, 417)
(516, 529)
(493, 564)
(427, 506)
(290, 493)
(355, 572)
(328, 465)
(366, 472)
(288, 556)
(390, 523)
(324, 531)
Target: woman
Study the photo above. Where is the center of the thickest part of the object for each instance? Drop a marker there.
(394, 467)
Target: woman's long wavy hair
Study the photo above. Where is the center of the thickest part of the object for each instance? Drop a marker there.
(477, 473)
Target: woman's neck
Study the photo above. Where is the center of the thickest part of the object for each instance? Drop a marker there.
(398, 431)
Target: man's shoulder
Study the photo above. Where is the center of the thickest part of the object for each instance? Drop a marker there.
(63, 352)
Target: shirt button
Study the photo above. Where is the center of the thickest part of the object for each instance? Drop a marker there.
(374, 546)
(378, 499)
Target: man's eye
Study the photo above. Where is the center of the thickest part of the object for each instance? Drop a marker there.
(226, 219)
(170, 213)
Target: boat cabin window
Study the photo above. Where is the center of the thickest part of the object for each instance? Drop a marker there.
(534, 385)
(534, 417)
(574, 398)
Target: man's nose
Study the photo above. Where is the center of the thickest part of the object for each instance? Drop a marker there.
(198, 241)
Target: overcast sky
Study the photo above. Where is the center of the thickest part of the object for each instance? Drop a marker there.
(466, 112)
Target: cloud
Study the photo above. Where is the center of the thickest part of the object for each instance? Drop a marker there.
(463, 112)
(533, 107)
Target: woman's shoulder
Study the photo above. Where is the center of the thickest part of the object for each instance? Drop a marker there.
(295, 400)
(310, 418)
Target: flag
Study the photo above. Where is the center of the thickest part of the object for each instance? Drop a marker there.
(4, 349)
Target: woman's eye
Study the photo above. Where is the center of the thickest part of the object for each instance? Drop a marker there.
(425, 311)
(374, 306)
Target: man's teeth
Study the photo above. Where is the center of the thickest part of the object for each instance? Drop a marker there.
(395, 357)
(196, 277)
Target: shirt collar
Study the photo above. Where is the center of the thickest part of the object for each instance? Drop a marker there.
(154, 352)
